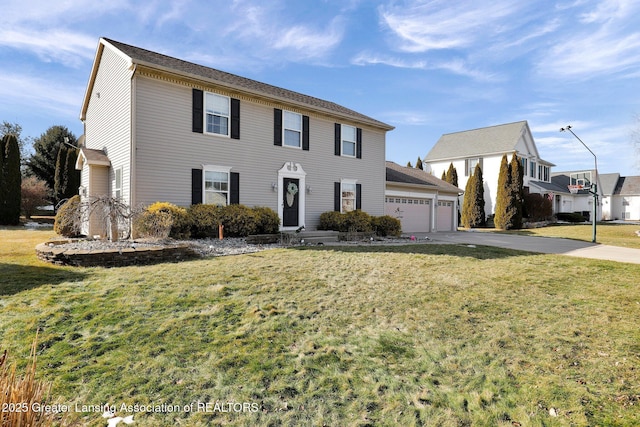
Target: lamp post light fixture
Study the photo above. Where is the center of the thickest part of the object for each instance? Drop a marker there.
(594, 187)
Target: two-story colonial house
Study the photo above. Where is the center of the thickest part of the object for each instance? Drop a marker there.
(486, 146)
(157, 128)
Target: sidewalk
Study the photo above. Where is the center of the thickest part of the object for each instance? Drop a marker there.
(545, 245)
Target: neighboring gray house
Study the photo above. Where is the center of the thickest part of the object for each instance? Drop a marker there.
(582, 201)
(486, 146)
(422, 202)
(161, 129)
(621, 197)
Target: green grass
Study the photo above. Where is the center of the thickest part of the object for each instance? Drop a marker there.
(606, 233)
(406, 335)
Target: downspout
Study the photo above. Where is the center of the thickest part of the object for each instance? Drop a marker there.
(132, 128)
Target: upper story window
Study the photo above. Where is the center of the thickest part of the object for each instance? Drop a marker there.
(348, 137)
(292, 128)
(532, 170)
(545, 171)
(217, 114)
(523, 160)
(471, 165)
(216, 186)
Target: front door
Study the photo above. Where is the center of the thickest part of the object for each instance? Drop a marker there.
(290, 202)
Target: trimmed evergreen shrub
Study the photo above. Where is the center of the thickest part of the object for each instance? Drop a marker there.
(504, 208)
(180, 227)
(10, 180)
(357, 221)
(204, 220)
(473, 205)
(331, 220)
(238, 220)
(570, 217)
(268, 221)
(155, 224)
(386, 225)
(67, 218)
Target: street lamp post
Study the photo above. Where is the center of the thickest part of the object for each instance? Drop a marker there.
(594, 187)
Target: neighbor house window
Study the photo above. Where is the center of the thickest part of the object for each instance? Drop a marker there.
(292, 127)
(217, 114)
(546, 173)
(348, 136)
(532, 171)
(216, 186)
(471, 166)
(348, 199)
(117, 186)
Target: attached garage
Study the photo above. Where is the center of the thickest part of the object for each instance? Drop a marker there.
(422, 202)
(414, 213)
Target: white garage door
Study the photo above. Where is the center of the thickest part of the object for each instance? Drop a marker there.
(414, 214)
(445, 216)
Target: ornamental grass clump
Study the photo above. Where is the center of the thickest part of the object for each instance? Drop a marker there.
(21, 397)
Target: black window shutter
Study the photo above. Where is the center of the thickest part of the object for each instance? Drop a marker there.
(277, 126)
(234, 195)
(235, 118)
(305, 133)
(198, 111)
(337, 145)
(196, 186)
(358, 196)
(336, 196)
(358, 143)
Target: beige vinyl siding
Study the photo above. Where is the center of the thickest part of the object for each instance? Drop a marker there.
(167, 150)
(108, 116)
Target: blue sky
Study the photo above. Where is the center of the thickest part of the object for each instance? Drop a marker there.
(426, 67)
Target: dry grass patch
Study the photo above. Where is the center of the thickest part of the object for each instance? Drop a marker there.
(406, 335)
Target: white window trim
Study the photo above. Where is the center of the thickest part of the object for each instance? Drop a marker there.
(471, 169)
(204, 125)
(284, 130)
(355, 141)
(215, 168)
(353, 182)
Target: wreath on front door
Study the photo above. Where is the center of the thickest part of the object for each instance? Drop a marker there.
(292, 190)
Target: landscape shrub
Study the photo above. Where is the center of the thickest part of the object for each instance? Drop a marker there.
(67, 221)
(570, 217)
(154, 224)
(268, 221)
(357, 221)
(238, 220)
(537, 207)
(180, 226)
(204, 220)
(386, 225)
(331, 220)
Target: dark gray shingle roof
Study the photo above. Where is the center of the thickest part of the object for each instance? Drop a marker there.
(628, 186)
(406, 175)
(153, 59)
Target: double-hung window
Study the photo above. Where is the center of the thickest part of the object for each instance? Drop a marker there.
(532, 169)
(348, 136)
(216, 187)
(292, 127)
(217, 114)
(348, 196)
(471, 166)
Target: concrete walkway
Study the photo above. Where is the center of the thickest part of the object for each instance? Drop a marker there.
(545, 245)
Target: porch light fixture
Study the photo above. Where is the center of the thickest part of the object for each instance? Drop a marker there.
(274, 186)
(594, 187)
(309, 189)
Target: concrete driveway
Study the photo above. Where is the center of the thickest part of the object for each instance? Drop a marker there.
(545, 245)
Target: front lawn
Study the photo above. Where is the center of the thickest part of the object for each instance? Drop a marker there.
(406, 335)
(606, 233)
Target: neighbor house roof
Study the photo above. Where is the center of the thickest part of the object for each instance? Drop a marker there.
(628, 186)
(492, 140)
(552, 187)
(139, 56)
(608, 181)
(412, 176)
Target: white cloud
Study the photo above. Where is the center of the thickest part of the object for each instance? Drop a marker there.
(23, 91)
(62, 46)
(310, 42)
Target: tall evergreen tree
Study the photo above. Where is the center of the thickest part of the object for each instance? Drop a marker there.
(409, 165)
(419, 163)
(10, 195)
(473, 205)
(444, 176)
(452, 175)
(503, 216)
(73, 175)
(60, 175)
(517, 190)
(42, 163)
